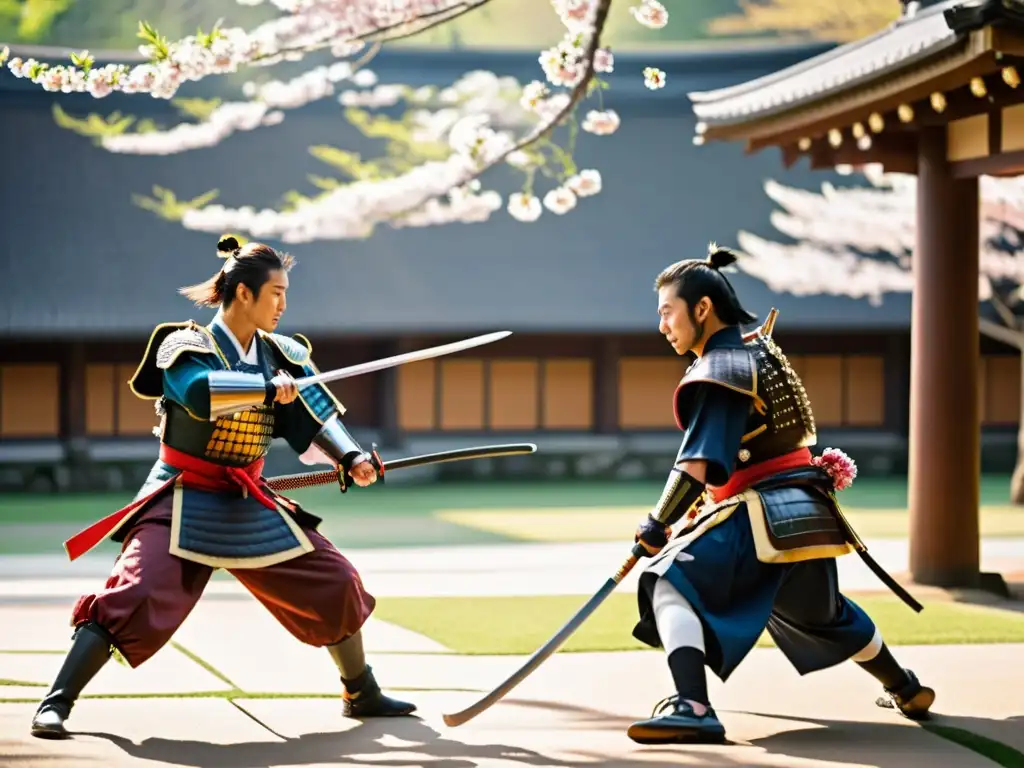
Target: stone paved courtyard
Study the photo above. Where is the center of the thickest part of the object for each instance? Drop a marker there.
(234, 690)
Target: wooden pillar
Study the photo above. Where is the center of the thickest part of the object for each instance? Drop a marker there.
(945, 463)
(387, 394)
(897, 384)
(606, 386)
(72, 410)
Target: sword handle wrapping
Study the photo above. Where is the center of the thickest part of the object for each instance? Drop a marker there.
(635, 554)
(377, 461)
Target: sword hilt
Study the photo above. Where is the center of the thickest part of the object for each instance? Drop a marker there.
(377, 461)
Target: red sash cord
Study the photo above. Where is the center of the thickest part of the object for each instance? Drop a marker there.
(744, 478)
(195, 473)
(208, 476)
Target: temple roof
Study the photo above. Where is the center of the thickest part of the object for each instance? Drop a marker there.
(921, 34)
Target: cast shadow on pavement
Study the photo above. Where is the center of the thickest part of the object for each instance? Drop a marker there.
(840, 742)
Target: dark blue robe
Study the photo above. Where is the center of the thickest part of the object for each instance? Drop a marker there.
(735, 595)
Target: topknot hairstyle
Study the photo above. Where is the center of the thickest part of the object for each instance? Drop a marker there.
(696, 278)
(249, 265)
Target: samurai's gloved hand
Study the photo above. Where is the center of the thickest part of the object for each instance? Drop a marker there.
(652, 535)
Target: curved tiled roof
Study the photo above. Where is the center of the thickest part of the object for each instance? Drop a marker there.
(907, 41)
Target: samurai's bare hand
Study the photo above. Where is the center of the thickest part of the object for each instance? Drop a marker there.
(287, 389)
(363, 471)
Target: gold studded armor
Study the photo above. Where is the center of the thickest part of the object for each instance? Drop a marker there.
(234, 440)
(780, 419)
(788, 421)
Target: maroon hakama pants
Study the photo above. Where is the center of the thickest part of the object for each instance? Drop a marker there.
(318, 596)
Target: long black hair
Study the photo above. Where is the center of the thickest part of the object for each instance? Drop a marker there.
(696, 278)
(249, 265)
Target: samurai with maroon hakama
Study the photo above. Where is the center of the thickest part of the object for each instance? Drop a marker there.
(758, 535)
(206, 506)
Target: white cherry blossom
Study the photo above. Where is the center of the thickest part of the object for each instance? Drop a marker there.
(585, 183)
(560, 200)
(524, 207)
(654, 78)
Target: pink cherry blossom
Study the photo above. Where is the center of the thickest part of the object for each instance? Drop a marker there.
(840, 467)
(601, 122)
(651, 14)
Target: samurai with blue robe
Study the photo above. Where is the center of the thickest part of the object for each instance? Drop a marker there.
(224, 391)
(747, 531)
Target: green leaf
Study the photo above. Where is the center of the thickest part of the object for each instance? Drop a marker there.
(83, 60)
(146, 125)
(94, 126)
(201, 109)
(323, 182)
(166, 205)
(160, 44)
(349, 163)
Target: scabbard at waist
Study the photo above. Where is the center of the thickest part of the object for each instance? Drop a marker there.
(210, 476)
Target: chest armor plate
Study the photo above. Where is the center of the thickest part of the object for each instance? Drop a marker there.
(234, 440)
(788, 421)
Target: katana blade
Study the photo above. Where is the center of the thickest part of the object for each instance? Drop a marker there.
(550, 647)
(330, 476)
(407, 357)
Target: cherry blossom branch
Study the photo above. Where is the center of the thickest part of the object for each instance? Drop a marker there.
(1004, 311)
(412, 197)
(1001, 333)
(561, 199)
(309, 25)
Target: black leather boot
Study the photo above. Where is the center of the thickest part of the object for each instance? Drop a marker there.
(362, 697)
(913, 701)
(90, 650)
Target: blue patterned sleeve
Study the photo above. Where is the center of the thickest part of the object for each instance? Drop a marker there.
(717, 417)
(185, 382)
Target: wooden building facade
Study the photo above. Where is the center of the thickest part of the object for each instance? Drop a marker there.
(59, 397)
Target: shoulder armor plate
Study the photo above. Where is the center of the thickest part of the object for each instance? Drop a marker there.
(183, 340)
(732, 368)
(166, 343)
(296, 350)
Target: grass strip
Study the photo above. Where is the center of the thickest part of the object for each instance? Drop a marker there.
(999, 753)
(520, 625)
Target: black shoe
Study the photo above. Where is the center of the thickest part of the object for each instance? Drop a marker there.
(673, 721)
(363, 698)
(912, 701)
(90, 650)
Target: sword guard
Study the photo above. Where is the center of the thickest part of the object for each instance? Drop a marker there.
(377, 461)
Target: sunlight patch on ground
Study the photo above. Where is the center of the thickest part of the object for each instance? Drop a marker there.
(555, 524)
